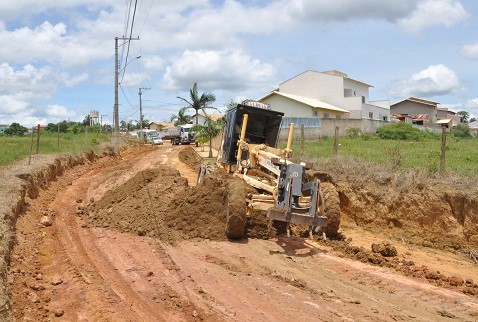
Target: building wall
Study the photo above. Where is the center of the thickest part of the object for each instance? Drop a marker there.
(336, 90)
(328, 128)
(324, 87)
(413, 108)
(291, 108)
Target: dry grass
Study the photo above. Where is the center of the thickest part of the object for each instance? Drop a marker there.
(363, 173)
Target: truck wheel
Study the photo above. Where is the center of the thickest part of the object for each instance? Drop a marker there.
(236, 209)
(332, 208)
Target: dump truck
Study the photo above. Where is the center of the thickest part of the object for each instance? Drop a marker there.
(181, 134)
(280, 187)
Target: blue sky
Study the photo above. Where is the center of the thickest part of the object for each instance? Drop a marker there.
(57, 58)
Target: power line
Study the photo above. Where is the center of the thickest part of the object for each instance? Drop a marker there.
(147, 16)
(131, 33)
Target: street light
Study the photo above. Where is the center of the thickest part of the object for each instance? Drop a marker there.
(117, 71)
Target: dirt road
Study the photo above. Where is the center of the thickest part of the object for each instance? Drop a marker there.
(66, 267)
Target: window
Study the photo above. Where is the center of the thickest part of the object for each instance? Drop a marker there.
(370, 114)
(338, 117)
(354, 93)
(363, 99)
(385, 119)
(315, 113)
(326, 115)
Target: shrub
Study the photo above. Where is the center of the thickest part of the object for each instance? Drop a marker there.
(461, 131)
(399, 131)
(353, 132)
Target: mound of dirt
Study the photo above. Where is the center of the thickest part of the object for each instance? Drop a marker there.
(189, 157)
(159, 203)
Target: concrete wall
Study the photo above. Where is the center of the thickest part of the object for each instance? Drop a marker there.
(328, 128)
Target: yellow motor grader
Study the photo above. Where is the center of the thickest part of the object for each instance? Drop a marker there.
(249, 151)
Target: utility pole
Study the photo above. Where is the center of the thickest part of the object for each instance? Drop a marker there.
(141, 111)
(115, 108)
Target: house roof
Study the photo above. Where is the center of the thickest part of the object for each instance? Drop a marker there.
(343, 75)
(445, 109)
(307, 101)
(443, 121)
(213, 117)
(164, 124)
(418, 100)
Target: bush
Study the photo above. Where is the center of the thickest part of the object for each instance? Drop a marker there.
(399, 131)
(461, 131)
(353, 132)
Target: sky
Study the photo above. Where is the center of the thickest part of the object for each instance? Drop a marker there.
(57, 58)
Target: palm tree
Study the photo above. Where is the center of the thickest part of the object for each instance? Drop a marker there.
(208, 131)
(182, 117)
(197, 102)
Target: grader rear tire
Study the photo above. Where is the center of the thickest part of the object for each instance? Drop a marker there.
(236, 209)
(332, 208)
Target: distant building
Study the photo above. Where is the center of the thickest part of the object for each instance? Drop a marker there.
(202, 117)
(328, 94)
(420, 110)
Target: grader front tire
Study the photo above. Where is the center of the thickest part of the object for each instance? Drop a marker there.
(236, 209)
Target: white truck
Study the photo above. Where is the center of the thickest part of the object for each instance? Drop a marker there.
(181, 134)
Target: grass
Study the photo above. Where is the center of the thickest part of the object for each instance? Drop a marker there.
(14, 148)
(461, 154)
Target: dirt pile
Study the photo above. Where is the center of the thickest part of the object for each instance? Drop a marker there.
(159, 203)
(189, 157)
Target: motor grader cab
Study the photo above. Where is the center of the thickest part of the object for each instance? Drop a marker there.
(249, 152)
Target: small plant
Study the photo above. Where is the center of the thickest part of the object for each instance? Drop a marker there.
(395, 157)
(353, 132)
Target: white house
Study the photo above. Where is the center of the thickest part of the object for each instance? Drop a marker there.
(328, 94)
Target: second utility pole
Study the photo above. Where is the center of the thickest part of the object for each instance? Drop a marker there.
(141, 112)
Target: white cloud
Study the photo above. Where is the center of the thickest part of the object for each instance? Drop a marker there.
(57, 111)
(470, 51)
(472, 104)
(225, 70)
(431, 13)
(435, 80)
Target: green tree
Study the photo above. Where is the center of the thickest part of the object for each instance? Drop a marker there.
(15, 129)
(182, 117)
(208, 131)
(472, 119)
(197, 102)
(51, 127)
(86, 121)
(464, 116)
